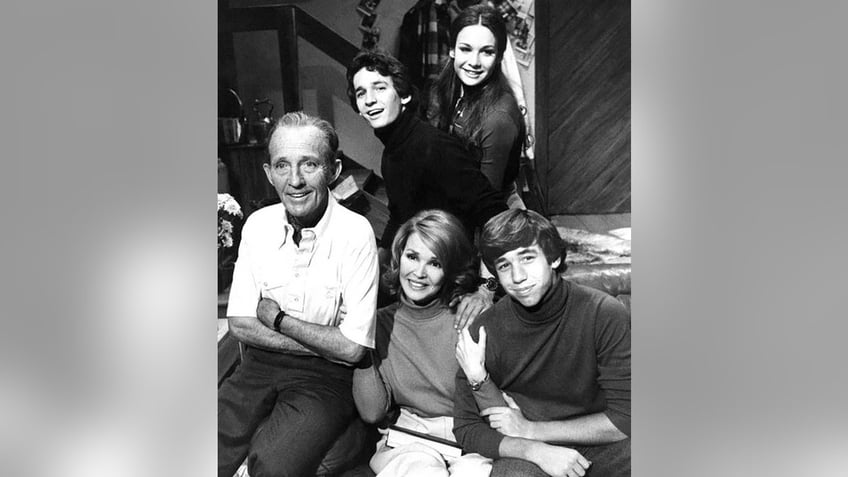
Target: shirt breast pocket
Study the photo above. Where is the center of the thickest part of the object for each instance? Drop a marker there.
(325, 304)
(274, 288)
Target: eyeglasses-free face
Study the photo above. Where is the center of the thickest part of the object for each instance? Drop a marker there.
(525, 274)
(474, 54)
(298, 172)
(420, 271)
(377, 99)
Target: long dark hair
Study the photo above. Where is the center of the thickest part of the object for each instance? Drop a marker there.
(481, 98)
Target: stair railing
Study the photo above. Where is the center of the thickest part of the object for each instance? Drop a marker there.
(291, 23)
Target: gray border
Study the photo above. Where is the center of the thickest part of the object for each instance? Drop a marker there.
(738, 119)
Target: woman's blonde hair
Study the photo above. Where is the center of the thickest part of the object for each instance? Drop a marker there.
(445, 236)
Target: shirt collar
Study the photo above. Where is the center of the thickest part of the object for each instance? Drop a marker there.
(320, 228)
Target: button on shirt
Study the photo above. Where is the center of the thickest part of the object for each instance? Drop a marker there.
(334, 264)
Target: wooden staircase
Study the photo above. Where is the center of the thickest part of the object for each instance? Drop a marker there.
(244, 161)
(370, 199)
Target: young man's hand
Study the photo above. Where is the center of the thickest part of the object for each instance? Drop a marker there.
(559, 461)
(509, 421)
(471, 356)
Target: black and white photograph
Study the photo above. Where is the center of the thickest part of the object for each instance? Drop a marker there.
(413, 204)
(423, 262)
(367, 22)
(367, 7)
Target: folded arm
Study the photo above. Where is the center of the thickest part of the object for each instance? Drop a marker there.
(251, 331)
(554, 460)
(323, 340)
(591, 429)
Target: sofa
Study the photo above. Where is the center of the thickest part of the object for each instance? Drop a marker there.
(600, 261)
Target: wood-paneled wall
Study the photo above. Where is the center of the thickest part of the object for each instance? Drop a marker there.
(583, 105)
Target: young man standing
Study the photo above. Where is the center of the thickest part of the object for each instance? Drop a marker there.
(559, 351)
(422, 166)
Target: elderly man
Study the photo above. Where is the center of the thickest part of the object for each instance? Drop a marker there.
(559, 351)
(300, 262)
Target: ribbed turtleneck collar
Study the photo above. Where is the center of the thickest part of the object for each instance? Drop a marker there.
(549, 308)
(422, 312)
(395, 133)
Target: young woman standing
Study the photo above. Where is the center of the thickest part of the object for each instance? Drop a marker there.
(473, 100)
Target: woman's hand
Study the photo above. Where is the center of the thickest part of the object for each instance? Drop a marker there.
(470, 307)
(471, 356)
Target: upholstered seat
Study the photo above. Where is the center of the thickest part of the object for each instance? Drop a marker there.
(600, 261)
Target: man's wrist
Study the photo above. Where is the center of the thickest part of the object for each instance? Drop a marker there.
(533, 430)
(278, 320)
(533, 450)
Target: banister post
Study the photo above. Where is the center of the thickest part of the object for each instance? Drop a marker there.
(287, 37)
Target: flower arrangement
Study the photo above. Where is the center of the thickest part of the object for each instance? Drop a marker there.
(229, 233)
(229, 211)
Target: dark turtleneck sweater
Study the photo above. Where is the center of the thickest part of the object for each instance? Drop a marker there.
(566, 357)
(426, 168)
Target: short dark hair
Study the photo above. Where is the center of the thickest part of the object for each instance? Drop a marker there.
(297, 119)
(445, 236)
(517, 228)
(385, 64)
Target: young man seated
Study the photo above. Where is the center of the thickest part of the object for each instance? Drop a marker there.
(559, 351)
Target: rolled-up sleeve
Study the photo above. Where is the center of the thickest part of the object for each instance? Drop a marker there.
(244, 294)
(360, 279)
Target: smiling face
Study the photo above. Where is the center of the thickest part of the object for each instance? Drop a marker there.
(376, 98)
(474, 54)
(526, 274)
(298, 172)
(420, 272)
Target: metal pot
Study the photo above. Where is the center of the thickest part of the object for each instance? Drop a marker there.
(231, 120)
(261, 123)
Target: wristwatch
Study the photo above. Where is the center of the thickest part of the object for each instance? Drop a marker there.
(475, 386)
(279, 319)
(490, 283)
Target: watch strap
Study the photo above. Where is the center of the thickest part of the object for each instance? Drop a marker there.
(491, 283)
(278, 320)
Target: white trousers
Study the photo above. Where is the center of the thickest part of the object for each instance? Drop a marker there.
(413, 460)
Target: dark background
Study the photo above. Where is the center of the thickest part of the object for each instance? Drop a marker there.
(738, 175)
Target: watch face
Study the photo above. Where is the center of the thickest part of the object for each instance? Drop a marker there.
(492, 283)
